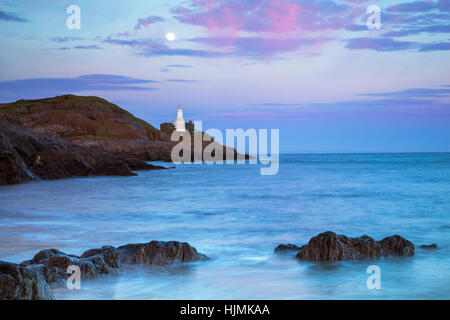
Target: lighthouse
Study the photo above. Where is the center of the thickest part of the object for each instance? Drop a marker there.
(180, 125)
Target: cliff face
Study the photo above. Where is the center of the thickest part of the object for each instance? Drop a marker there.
(90, 121)
(27, 156)
(69, 136)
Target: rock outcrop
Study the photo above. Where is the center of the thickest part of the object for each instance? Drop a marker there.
(68, 136)
(90, 121)
(23, 283)
(33, 279)
(92, 263)
(27, 156)
(329, 246)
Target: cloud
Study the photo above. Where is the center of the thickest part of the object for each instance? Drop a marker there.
(148, 44)
(141, 22)
(152, 47)
(44, 87)
(253, 47)
(259, 47)
(277, 26)
(276, 104)
(265, 29)
(389, 44)
(181, 80)
(275, 16)
(418, 30)
(181, 52)
(178, 66)
(169, 66)
(412, 93)
(441, 46)
(410, 101)
(416, 6)
(88, 47)
(64, 39)
(11, 16)
(144, 22)
(379, 44)
(412, 18)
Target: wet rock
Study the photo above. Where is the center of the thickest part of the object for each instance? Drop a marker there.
(286, 247)
(92, 263)
(396, 246)
(26, 156)
(159, 253)
(329, 246)
(23, 283)
(429, 246)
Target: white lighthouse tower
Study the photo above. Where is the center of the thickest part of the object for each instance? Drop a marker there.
(180, 125)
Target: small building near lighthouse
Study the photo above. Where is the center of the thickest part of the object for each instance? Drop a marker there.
(178, 125)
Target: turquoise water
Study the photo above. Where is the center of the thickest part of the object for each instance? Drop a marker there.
(237, 217)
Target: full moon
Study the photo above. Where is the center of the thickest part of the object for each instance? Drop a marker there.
(170, 36)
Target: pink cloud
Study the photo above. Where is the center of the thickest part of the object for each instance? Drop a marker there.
(286, 21)
(144, 22)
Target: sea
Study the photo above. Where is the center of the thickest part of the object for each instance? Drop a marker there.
(236, 216)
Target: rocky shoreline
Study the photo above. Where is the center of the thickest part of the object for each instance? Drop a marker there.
(74, 136)
(34, 279)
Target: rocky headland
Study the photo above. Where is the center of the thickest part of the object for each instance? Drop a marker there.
(69, 136)
(329, 246)
(34, 279)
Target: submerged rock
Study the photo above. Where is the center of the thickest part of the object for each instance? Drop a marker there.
(159, 253)
(23, 283)
(429, 246)
(286, 247)
(33, 279)
(329, 246)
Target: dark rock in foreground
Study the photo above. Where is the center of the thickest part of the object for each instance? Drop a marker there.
(429, 246)
(286, 247)
(329, 246)
(92, 263)
(33, 278)
(23, 283)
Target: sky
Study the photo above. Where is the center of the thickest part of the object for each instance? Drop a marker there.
(311, 68)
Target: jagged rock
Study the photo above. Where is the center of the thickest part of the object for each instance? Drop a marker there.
(159, 253)
(27, 156)
(329, 246)
(429, 246)
(286, 247)
(23, 283)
